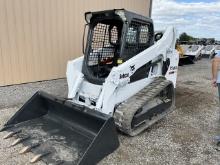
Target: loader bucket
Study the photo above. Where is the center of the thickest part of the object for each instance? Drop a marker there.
(186, 61)
(60, 132)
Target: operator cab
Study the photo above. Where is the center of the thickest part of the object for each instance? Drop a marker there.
(114, 36)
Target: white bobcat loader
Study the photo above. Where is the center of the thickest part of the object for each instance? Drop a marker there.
(123, 80)
(208, 51)
(194, 52)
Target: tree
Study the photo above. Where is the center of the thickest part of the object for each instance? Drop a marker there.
(185, 37)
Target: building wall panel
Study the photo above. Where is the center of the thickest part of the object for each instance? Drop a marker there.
(38, 37)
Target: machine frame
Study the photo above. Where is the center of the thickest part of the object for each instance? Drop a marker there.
(117, 87)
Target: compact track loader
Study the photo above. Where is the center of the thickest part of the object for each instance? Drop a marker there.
(194, 52)
(217, 47)
(208, 51)
(183, 60)
(124, 80)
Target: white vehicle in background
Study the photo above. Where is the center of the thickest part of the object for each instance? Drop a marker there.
(184, 60)
(208, 51)
(185, 47)
(217, 48)
(194, 51)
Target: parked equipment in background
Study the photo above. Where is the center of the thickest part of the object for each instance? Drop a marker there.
(124, 80)
(217, 48)
(208, 51)
(194, 52)
(183, 60)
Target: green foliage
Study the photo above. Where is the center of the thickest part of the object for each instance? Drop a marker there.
(185, 37)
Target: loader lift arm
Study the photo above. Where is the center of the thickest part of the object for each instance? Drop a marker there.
(159, 53)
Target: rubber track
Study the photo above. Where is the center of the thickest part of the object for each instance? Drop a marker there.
(124, 113)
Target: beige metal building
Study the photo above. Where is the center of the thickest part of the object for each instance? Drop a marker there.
(38, 37)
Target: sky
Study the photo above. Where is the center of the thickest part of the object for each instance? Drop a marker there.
(199, 18)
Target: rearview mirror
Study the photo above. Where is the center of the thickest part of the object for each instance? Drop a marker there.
(158, 36)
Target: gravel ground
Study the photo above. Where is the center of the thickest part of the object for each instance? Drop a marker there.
(16, 95)
(184, 137)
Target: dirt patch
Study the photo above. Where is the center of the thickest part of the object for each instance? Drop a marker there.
(190, 82)
(186, 136)
(187, 98)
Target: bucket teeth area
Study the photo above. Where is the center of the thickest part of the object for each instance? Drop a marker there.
(67, 133)
(19, 140)
(10, 134)
(6, 128)
(39, 157)
(28, 148)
